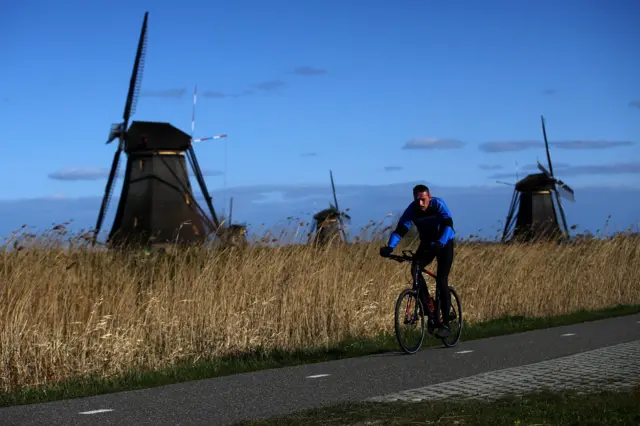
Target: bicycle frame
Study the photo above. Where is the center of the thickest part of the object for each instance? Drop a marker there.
(432, 315)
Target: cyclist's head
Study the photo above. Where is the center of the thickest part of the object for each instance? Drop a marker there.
(422, 196)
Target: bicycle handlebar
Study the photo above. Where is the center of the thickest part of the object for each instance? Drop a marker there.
(404, 258)
(408, 258)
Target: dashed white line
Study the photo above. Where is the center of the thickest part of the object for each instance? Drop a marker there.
(464, 352)
(568, 334)
(102, 410)
(315, 376)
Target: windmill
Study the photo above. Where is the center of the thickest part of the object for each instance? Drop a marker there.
(329, 223)
(533, 212)
(156, 203)
(234, 234)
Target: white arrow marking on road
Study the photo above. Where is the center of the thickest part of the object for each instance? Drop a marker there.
(103, 410)
(568, 334)
(464, 352)
(316, 376)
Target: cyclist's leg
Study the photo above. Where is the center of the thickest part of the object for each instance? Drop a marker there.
(424, 257)
(445, 260)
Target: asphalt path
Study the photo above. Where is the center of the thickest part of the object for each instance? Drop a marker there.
(262, 394)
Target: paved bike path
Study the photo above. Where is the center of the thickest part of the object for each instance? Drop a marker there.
(274, 392)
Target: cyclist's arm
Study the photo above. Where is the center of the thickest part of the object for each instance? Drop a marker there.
(446, 221)
(404, 224)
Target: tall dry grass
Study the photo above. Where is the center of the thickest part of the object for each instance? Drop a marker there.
(68, 312)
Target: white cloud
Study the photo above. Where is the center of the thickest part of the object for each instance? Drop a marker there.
(433, 143)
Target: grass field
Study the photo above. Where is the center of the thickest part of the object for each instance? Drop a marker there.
(74, 312)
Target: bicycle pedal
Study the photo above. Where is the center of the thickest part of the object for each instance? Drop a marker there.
(430, 329)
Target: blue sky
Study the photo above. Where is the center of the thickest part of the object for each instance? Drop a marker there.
(353, 83)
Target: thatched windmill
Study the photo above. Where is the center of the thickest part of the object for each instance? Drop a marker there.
(532, 214)
(329, 223)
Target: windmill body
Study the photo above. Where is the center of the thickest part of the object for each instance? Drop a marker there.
(327, 226)
(536, 217)
(533, 213)
(157, 200)
(329, 223)
(157, 203)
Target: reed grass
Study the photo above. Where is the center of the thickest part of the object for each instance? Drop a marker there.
(69, 311)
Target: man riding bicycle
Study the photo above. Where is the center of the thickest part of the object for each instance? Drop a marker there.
(435, 227)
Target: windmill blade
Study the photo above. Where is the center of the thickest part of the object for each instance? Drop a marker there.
(193, 112)
(136, 75)
(335, 199)
(565, 191)
(222, 136)
(193, 121)
(203, 187)
(506, 232)
(546, 144)
(115, 132)
(107, 194)
(333, 188)
(543, 170)
(505, 183)
(230, 210)
(564, 219)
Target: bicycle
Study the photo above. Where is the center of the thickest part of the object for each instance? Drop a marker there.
(433, 311)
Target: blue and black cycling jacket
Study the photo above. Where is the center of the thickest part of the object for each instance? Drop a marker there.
(434, 224)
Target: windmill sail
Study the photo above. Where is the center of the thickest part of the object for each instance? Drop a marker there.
(119, 130)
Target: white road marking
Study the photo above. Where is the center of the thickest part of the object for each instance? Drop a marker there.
(102, 410)
(568, 334)
(317, 375)
(464, 352)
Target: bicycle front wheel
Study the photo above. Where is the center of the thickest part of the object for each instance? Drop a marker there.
(409, 321)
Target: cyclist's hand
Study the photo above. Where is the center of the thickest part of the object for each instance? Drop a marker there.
(436, 246)
(386, 251)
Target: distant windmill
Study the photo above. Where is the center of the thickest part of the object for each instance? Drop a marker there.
(156, 204)
(532, 213)
(329, 223)
(234, 234)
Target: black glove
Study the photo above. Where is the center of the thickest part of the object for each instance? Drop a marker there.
(386, 251)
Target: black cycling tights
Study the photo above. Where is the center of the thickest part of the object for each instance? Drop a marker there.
(425, 256)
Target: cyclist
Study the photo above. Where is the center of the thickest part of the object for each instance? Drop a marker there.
(435, 227)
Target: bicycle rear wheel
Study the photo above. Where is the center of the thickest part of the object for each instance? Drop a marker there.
(409, 314)
(455, 320)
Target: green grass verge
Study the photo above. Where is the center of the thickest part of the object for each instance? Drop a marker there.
(544, 408)
(263, 359)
